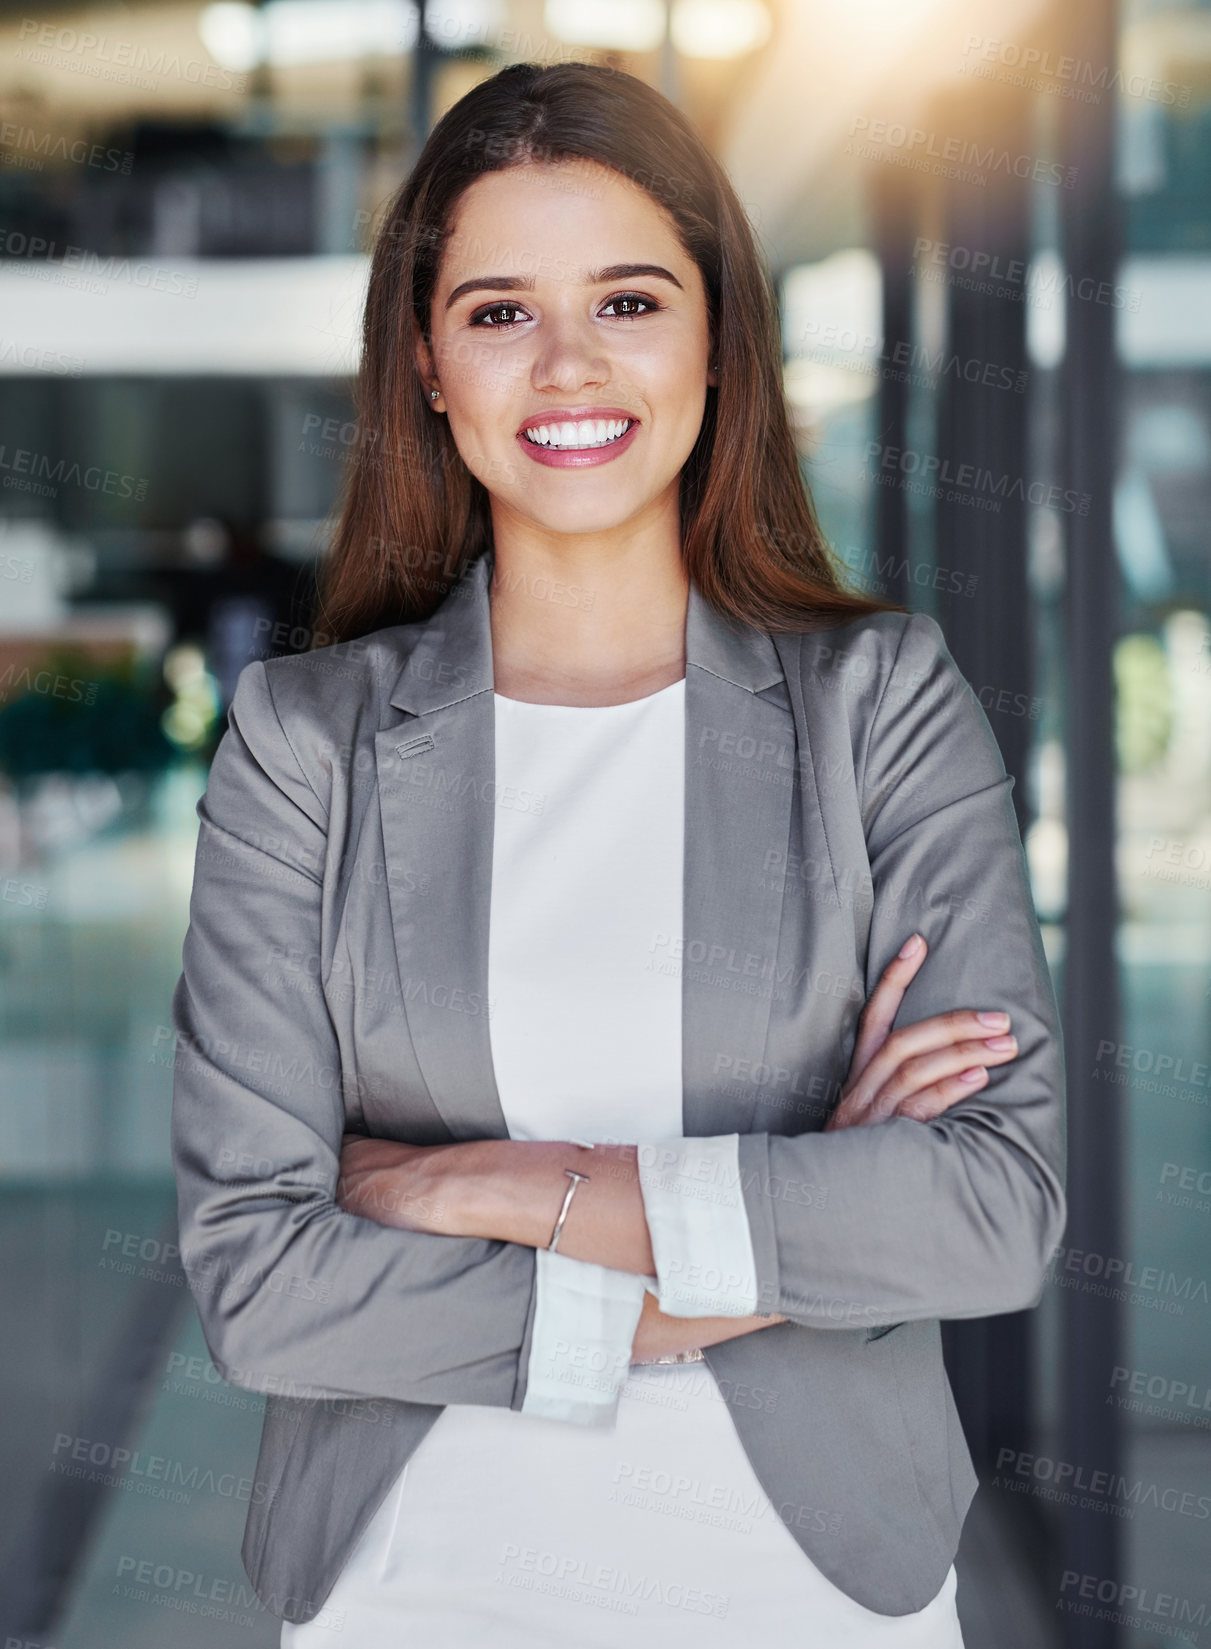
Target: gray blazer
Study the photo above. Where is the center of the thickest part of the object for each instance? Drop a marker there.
(843, 789)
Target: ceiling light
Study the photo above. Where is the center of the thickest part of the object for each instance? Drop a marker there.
(719, 28)
(307, 31)
(625, 25)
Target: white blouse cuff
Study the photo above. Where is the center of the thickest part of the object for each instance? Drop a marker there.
(584, 1325)
(703, 1247)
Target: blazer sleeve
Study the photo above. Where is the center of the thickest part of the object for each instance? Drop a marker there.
(295, 1294)
(957, 1217)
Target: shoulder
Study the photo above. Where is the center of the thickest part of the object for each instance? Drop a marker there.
(342, 680)
(884, 694)
(312, 711)
(859, 663)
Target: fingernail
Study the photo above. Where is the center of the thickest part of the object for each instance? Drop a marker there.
(973, 1075)
(910, 947)
(1000, 1042)
(997, 1020)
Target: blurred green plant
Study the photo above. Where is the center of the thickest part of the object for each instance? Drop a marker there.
(69, 715)
(192, 719)
(1144, 716)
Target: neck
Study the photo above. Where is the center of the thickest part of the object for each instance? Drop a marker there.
(588, 619)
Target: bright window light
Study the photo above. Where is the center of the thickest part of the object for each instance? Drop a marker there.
(831, 331)
(719, 28)
(832, 310)
(1045, 319)
(877, 28)
(306, 31)
(318, 31)
(231, 33)
(457, 23)
(625, 25)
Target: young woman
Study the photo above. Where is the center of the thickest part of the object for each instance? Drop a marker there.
(595, 1072)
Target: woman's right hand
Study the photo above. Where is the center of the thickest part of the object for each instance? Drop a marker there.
(658, 1334)
(920, 1070)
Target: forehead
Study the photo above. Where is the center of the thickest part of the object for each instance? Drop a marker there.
(557, 219)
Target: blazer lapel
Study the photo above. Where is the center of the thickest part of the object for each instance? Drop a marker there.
(436, 771)
(739, 767)
(436, 782)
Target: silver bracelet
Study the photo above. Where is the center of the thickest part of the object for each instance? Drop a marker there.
(567, 1201)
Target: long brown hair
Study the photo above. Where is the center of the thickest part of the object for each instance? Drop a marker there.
(413, 517)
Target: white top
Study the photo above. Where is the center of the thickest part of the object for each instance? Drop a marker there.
(618, 1507)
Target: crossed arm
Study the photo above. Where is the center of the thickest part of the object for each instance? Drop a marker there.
(298, 1293)
(512, 1190)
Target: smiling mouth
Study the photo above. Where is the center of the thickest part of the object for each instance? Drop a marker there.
(578, 437)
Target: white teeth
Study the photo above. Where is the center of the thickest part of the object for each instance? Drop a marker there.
(597, 432)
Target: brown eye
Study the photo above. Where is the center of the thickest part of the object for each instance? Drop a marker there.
(481, 315)
(632, 298)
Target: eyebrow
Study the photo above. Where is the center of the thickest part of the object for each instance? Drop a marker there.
(594, 277)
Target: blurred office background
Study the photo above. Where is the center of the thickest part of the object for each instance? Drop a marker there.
(989, 222)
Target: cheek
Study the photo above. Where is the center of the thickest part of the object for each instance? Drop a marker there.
(675, 375)
(466, 357)
(496, 471)
(486, 389)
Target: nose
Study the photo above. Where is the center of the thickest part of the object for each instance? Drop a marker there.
(569, 356)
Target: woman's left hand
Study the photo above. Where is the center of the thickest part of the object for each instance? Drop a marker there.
(405, 1186)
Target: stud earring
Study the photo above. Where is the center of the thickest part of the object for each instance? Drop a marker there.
(434, 393)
